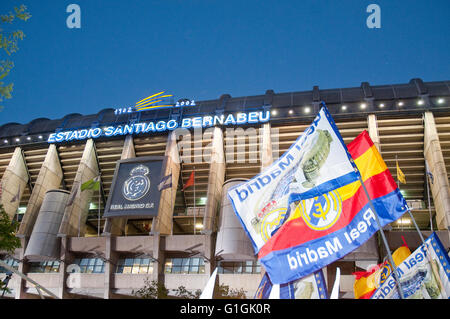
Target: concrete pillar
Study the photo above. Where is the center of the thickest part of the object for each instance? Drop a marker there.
(50, 177)
(158, 250)
(440, 188)
(44, 243)
(209, 244)
(216, 179)
(163, 223)
(14, 181)
(373, 130)
(266, 146)
(110, 266)
(116, 225)
(75, 215)
(65, 258)
(23, 268)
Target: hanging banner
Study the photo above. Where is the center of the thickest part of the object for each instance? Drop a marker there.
(309, 287)
(325, 228)
(134, 189)
(306, 169)
(425, 274)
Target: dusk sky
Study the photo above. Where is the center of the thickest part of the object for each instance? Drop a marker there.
(128, 50)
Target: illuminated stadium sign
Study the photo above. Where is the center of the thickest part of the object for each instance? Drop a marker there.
(153, 102)
(242, 118)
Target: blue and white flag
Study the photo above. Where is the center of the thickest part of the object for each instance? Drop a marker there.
(315, 164)
(166, 182)
(425, 274)
(309, 287)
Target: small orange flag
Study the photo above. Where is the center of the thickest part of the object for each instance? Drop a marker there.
(190, 181)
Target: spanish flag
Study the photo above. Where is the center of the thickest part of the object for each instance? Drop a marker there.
(366, 282)
(324, 229)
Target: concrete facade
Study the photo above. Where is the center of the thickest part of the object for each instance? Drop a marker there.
(50, 177)
(13, 182)
(160, 243)
(74, 220)
(163, 222)
(440, 188)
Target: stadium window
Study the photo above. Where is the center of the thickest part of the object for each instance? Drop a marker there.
(134, 266)
(11, 262)
(44, 267)
(90, 265)
(184, 266)
(239, 267)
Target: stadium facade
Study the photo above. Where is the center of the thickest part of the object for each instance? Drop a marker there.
(78, 244)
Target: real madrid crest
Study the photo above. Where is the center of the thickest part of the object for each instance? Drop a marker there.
(138, 184)
(321, 212)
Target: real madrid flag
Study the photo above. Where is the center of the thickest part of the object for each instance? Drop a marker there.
(309, 287)
(327, 227)
(316, 163)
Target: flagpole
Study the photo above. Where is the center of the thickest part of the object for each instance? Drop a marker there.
(428, 195)
(79, 215)
(98, 222)
(398, 186)
(395, 272)
(195, 213)
(172, 204)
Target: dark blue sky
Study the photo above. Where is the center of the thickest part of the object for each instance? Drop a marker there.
(129, 49)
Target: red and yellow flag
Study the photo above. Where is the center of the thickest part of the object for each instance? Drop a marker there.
(366, 282)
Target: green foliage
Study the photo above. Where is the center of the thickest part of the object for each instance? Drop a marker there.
(182, 292)
(151, 290)
(8, 240)
(9, 44)
(224, 292)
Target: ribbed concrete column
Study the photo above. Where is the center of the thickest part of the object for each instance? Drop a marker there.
(20, 289)
(116, 225)
(75, 215)
(65, 258)
(111, 257)
(14, 181)
(373, 130)
(216, 178)
(158, 251)
(162, 224)
(50, 177)
(440, 187)
(266, 146)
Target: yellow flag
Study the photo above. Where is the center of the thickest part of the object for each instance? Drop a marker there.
(400, 175)
(400, 254)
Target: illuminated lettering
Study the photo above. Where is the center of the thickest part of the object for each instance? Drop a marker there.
(230, 119)
(186, 123)
(160, 126)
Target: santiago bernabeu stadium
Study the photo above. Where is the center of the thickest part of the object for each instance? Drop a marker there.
(156, 205)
